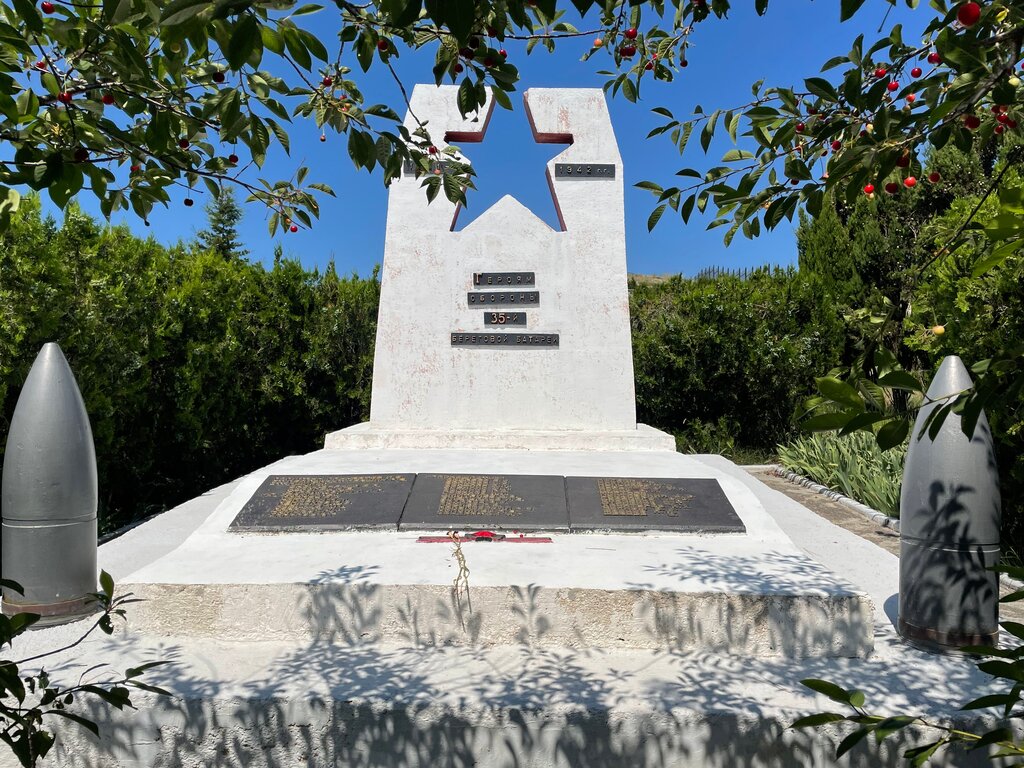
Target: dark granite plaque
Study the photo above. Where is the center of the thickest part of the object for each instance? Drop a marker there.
(504, 318)
(325, 502)
(505, 340)
(584, 171)
(650, 504)
(486, 502)
(492, 298)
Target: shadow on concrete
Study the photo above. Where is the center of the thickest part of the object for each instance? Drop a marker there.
(341, 699)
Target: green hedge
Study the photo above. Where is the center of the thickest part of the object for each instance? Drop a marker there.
(725, 362)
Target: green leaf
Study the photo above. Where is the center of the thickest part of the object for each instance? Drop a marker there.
(892, 434)
(851, 741)
(107, 584)
(181, 11)
(849, 7)
(839, 392)
(244, 39)
(826, 422)
(28, 13)
(831, 690)
(820, 718)
(652, 220)
(901, 380)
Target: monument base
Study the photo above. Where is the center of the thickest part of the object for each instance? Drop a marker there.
(370, 436)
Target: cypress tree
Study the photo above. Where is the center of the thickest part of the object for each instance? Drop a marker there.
(221, 235)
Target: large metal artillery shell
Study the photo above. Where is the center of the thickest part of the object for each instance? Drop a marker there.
(949, 527)
(49, 494)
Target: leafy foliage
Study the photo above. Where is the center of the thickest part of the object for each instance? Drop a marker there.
(853, 464)
(194, 369)
(29, 698)
(730, 359)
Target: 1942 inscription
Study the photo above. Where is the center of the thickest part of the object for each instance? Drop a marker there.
(503, 297)
(584, 171)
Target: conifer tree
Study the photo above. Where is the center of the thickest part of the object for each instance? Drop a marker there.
(221, 236)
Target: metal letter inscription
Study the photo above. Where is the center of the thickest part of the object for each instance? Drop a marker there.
(503, 297)
(499, 279)
(650, 503)
(584, 171)
(504, 318)
(506, 340)
(325, 502)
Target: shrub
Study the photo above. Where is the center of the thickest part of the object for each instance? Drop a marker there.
(852, 464)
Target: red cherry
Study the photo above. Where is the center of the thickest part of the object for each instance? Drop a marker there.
(81, 155)
(869, 189)
(800, 127)
(893, 86)
(47, 7)
(489, 62)
(684, 63)
(881, 72)
(64, 98)
(972, 122)
(649, 66)
(218, 77)
(999, 128)
(40, 64)
(503, 53)
(1011, 123)
(627, 51)
(903, 161)
(188, 202)
(136, 168)
(382, 45)
(431, 150)
(293, 228)
(328, 81)
(934, 58)
(233, 159)
(911, 98)
(968, 14)
(910, 182)
(892, 187)
(630, 34)
(467, 53)
(457, 68)
(915, 72)
(183, 143)
(492, 32)
(323, 137)
(1004, 119)
(836, 145)
(107, 99)
(934, 177)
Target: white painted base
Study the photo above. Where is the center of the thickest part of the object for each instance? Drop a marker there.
(368, 436)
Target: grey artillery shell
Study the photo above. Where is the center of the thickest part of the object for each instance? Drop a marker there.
(49, 493)
(949, 527)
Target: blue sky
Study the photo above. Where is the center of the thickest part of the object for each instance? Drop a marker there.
(783, 47)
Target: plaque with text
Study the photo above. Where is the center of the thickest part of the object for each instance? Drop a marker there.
(584, 171)
(505, 340)
(492, 298)
(504, 318)
(502, 279)
(684, 505)
(325, 502)
(486, 502)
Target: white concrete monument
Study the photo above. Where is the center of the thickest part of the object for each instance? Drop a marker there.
(508, 334)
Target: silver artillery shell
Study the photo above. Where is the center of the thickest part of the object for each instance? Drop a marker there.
(949, 528)
(49, 494)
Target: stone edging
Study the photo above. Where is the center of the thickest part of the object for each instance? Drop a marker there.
(879, 517)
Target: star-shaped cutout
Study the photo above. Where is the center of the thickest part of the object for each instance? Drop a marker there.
(509, 162)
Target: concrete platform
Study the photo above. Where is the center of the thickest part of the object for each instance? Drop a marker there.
(336, 698)
(368, 436)
(753, 594)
